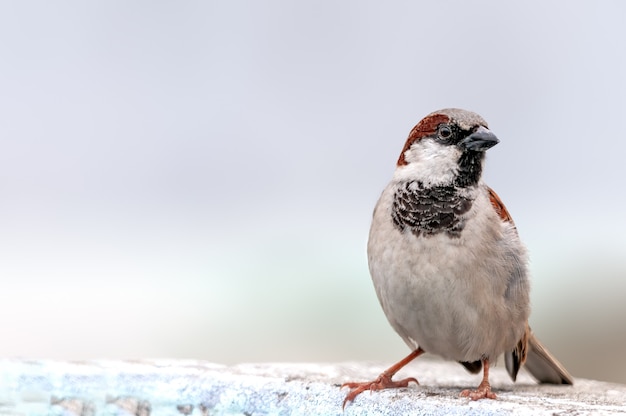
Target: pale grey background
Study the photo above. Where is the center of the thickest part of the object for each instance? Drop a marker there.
(195, 179)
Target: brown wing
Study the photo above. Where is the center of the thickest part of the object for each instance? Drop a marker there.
(513, 360)
(497, 204)
(529, 351)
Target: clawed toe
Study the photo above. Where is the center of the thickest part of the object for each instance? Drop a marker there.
(482, 392)
(382, 382)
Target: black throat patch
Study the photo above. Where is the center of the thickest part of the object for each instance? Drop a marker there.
(470, 168)
(429, 211)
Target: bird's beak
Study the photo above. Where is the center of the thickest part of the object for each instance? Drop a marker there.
(481, 140)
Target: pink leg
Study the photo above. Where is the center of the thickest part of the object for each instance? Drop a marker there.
(384, 380)
(484, 388)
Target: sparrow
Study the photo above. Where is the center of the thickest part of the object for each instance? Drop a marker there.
(447, 263)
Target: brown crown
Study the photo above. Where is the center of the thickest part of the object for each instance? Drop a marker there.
(426, 127)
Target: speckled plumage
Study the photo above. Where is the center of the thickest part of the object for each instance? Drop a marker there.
(429, 210)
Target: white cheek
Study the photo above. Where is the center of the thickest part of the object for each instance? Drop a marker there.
(429, 162)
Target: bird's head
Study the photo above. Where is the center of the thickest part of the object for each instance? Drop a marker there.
(446, 147)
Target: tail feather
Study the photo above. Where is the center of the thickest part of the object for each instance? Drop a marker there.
(540, 363)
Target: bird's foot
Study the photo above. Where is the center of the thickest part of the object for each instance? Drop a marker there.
(383, 381)
(482, 392)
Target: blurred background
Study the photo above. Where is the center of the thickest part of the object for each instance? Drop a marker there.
(196, 179)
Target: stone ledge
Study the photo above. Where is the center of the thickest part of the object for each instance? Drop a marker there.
(162, 387)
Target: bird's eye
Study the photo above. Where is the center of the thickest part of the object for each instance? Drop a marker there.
(444, 132)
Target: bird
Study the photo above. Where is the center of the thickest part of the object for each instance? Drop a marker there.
(447, 262)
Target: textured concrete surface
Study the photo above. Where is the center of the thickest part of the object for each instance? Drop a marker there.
(161, 387)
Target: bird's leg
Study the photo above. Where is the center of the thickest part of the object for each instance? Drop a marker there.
(383, 381)
(484, 388)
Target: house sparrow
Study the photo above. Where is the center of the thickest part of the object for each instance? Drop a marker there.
(447, 263)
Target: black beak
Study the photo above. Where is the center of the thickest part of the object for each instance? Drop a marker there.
(481, 140)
